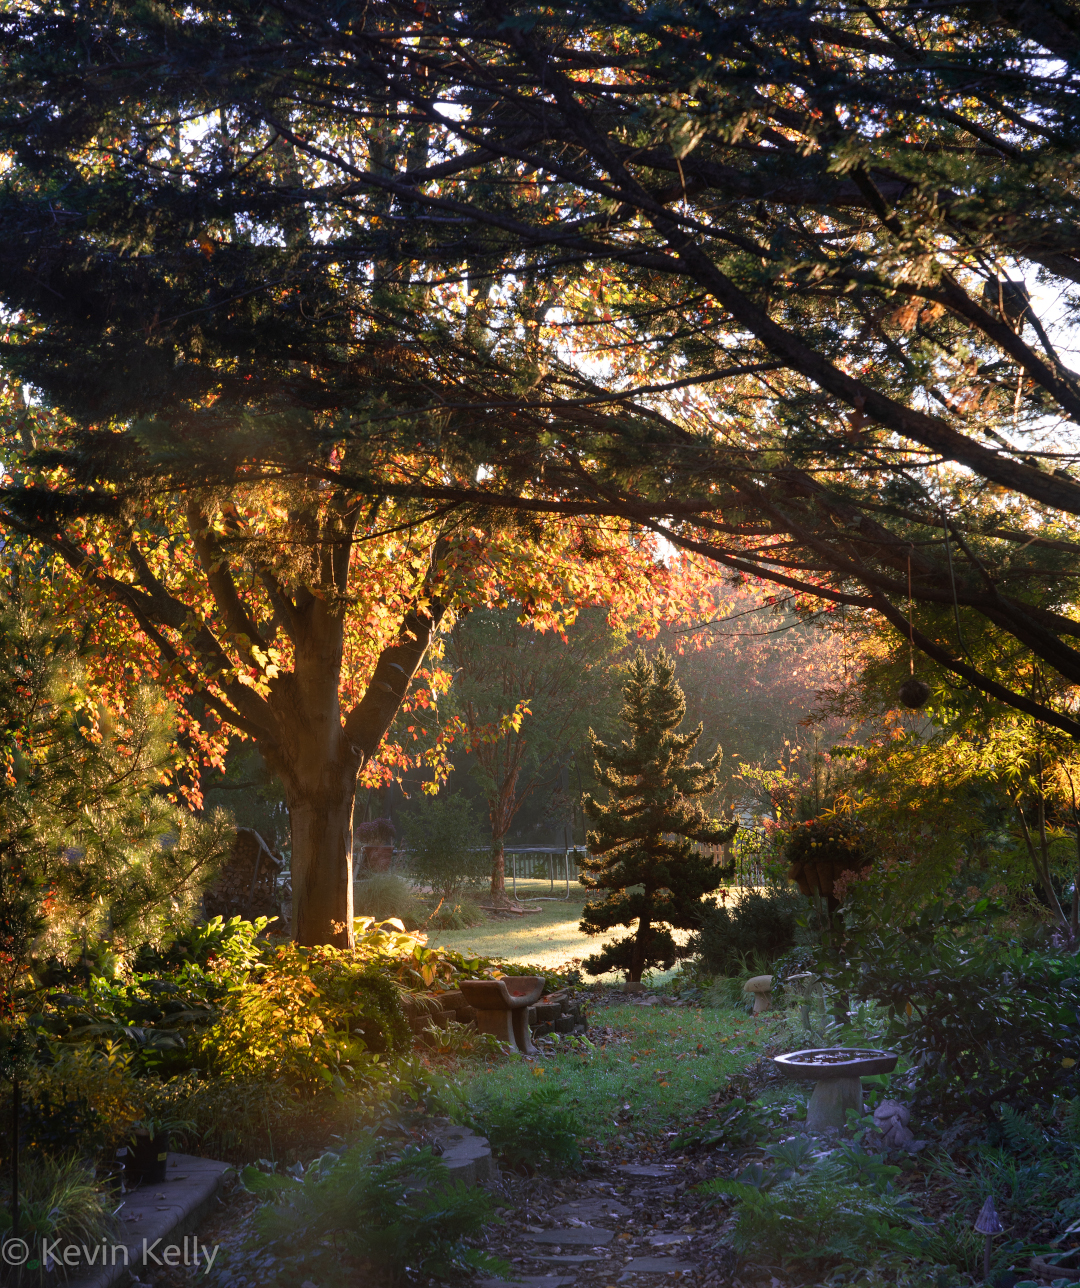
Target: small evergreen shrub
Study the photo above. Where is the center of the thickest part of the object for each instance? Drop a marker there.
(353, 1219)
(762, 925)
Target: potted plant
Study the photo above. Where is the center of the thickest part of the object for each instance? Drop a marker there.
(147, 1152)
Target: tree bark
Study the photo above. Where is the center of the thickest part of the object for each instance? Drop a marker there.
(501, 813)
(498, 873)
(318, 766)
(322, 865)
(639, 954)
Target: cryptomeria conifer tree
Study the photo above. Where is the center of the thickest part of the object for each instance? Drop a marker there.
(641, 850)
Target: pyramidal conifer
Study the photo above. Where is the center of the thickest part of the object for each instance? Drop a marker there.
(641, 847)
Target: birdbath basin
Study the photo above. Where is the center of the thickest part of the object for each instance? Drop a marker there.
(502, 1006)
(836, 1072)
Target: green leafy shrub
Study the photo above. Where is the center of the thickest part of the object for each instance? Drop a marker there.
(238, 941)
(533, 1131)
(447, 848)
(353, 1219)
(87, 1095)
(762, 922)
(986, 1022)
(383, 895)
(832, 1210)
(315, 1017)
(58, 1200)
(165, 1019)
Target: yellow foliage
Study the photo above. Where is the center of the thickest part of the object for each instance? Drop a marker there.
(322, 1018)
(103, 1078)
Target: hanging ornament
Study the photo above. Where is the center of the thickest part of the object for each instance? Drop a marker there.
(913, 693)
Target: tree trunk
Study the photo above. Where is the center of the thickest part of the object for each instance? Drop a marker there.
(322, 864)
(319, 770)
(501, 814)
(639, 954)
(498, 873)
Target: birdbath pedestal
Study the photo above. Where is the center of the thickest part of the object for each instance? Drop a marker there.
(502, 1007)
(837, 1072)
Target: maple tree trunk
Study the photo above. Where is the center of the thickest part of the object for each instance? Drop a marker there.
(318, 765)
(320, 788)
(322, 864)
(318, 758)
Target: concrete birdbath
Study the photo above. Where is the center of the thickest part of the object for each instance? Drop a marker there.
(837, 1072)
(502, 1007)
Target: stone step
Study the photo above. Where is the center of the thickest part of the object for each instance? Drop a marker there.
(529, 1281)
(564, 1259)
(467, 1155)
(157, 1222)
(594, 1209)
(656, 1266)
(578, 1236)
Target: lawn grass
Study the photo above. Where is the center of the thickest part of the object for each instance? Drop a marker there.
(664, 1064)
(546, 938)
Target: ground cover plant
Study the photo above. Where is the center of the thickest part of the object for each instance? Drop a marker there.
(819, 1211)
(60, 1200)
(366, 1214)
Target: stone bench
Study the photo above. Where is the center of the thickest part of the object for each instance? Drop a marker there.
(502, 1007)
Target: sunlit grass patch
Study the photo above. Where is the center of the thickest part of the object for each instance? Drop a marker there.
(662, 1066)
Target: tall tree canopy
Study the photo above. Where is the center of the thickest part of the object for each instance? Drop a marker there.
(289, 610)
(821, 247)
(524, 703)
(817, 254)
